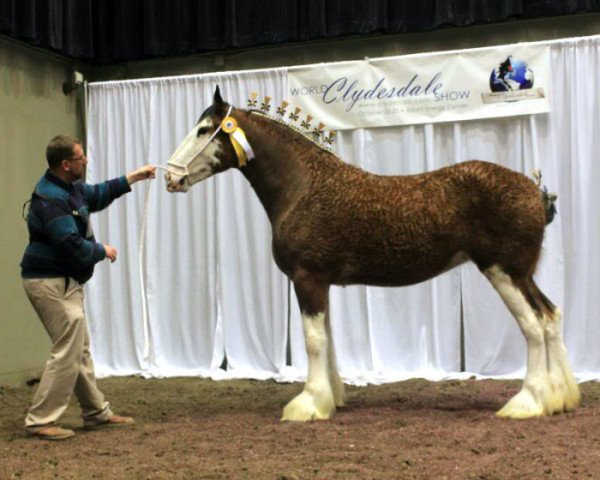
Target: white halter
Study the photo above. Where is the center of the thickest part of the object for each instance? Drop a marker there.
(185, 167)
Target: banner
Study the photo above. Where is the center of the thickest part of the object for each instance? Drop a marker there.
(425, 88)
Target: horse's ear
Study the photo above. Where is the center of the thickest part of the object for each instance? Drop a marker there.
(217, 100)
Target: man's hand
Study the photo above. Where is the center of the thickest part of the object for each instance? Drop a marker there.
(111, 252)
(143, 173)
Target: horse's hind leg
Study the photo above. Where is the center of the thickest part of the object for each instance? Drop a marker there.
(339, 394)
(561, 375)
(536, 396)
(316, 402)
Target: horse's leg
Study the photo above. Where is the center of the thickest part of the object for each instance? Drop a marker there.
(339, 393)
(561, 375)
(316, 400)
(536, 396)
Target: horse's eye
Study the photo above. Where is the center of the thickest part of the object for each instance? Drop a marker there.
(202, 131)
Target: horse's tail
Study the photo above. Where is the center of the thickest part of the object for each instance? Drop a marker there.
(548, 198)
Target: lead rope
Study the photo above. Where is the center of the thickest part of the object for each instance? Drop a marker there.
(142, 242)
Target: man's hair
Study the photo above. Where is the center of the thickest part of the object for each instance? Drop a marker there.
(60, 148)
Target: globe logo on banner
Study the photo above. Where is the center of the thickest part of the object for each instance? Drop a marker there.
(511, 75)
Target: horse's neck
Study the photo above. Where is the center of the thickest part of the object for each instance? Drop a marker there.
(277, 174)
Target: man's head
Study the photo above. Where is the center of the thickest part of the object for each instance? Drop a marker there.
(66, 158)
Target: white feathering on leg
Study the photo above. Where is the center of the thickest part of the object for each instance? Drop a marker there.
(537, 396)
(337, 385)
(561, 375)
(316, 401)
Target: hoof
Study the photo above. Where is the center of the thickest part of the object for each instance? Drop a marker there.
(522, 405)
(340, 399)
(568, 391)
(572, 400)
(305, 408)
(338, 389)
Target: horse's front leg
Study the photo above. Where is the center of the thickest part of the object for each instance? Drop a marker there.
(316, 400)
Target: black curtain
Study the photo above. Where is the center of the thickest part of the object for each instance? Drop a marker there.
(112, 31)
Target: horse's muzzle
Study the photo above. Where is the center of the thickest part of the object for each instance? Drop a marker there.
(176, 183)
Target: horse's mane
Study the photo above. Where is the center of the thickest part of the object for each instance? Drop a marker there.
(289, 129)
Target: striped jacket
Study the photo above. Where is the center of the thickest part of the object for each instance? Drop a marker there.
(61, 242)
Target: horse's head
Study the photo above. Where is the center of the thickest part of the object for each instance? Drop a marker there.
(204, 151)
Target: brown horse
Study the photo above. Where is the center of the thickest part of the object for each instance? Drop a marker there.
(335, 224)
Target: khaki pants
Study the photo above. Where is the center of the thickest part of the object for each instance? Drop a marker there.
(70, 367)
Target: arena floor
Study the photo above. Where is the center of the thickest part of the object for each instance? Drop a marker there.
(190, 428)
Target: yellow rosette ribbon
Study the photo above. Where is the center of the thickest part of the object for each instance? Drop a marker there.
(240, 144)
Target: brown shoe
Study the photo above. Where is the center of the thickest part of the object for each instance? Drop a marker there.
(112, 421)
(52, 433)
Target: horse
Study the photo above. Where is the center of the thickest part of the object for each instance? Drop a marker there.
(335, 224)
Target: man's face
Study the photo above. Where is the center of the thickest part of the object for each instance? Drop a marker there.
(76, 164)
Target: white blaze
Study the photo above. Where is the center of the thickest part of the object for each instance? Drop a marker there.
(195, 158)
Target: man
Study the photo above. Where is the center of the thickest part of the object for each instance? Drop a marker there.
(59, 259)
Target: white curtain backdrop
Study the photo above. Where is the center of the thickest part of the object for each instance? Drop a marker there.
(214, 291)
